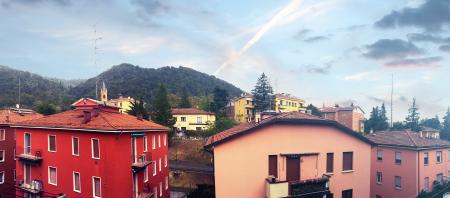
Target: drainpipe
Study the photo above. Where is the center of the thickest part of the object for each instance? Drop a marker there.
(418, 172)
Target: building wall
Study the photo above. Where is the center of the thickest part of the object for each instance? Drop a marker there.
(241, 164)
(191, 121)
(8, 166)
(113, 167)
(241, 106)
(299, 105)
(351, 119)
(358, 121)
(433, 168)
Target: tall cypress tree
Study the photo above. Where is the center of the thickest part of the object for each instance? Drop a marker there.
(263, 94)
(445, 131)
(161, 110)
(138, 108)
(184, 100)
(412, 121)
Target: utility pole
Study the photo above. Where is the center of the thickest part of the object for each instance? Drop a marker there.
(96, 38)
(392, 95)
(18, 104)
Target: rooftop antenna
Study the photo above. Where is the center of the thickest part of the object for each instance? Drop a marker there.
(18, 104)
(96, 38)
(392, 95)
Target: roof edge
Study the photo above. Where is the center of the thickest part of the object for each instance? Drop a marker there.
(89, 130)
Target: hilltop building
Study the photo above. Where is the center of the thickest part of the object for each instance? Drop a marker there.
(9, 117)
(288, 103)
(351, 116)
(192, 119)
(124, 103)
(241, 109)
(91, 151)
(404, 163)
(291, 155)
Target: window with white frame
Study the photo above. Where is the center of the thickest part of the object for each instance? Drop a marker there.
(95, 144)
(2, 155)
(199, 120)
(398, 182)
(76, 182)
(379, 155)
(167, 182)
(183, 119)
(155, 192)
(2, 177)
(160, 189)
(52, 143)
(379, 177)
(159, 141)
(165, 161)
(159, 164)
(27, 173)
(52, 176)
(154, 169)
(97, 186)
(398, 157)
(153, 141)
(2, 134)
(145, 143)
(75, 146)
(438, 156)
(165, 140)
(146, 174)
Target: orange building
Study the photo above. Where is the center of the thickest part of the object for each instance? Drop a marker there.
(291, 154)
(404, 163)
(351, 117)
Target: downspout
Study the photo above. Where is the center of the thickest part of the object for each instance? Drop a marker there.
(418, 172)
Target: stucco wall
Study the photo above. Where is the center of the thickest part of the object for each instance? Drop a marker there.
(241, 165)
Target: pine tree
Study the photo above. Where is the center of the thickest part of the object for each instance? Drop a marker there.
(314, 110)
(412, 121)
(220, 100)
(431, 122)
(445, 131)
(138, 108)
(161, 110)
(263, 94)
(184, 100)
(377, 121)
(383, 120)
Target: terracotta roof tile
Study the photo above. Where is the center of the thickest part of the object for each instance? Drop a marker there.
(8, 117)
(405, 138)
(190, 111)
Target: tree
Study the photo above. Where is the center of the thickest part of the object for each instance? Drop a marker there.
(184, 100)
(378, 120)
(138, 108)
(412, 121)
(220, 101)
(161, 110)
(314, 110)
(431, 122)
(263, 94)
(396, 126)
(445, 131)
(45, 108)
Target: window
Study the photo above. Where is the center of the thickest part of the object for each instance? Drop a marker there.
(438, 156)
(440, 178)
(95, 148)
(155, 192)
(27, 142)
(76, 182)
(154, 169)
(75, 146)
(2, 156)
(398, 182)
(379, 177)
(426, 184)
(199, 120)
(380, 155)
(159, 164)
(153, 142)
(448, 157)
(398, 157)
(273, 165)
(14, 175)
(198, 128)
(52, 176)
(145, 143)
(52, 143)
(159, 141)
(27, 173)
(165, 161)
(165, 140)
(330, 162)
(425, 158)
(347, 193)
(2, 134)
(96, 185)
(146, 174)
(2, 177)
(377, 196)
(160, 189)
(183, 119)
(347, 163)
(167, 182)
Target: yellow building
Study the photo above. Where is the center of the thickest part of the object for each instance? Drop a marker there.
(288, 103)
(124, 103)
(241, 109)
(192, 119)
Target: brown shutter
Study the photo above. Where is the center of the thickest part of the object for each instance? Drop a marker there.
(347, 161)
(330, 161)
(273, 165)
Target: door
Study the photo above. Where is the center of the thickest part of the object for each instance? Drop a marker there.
(292, 168)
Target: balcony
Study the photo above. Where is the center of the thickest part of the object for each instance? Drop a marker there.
(34, 188)
(141, 162)
(30, 155)
(313, 188)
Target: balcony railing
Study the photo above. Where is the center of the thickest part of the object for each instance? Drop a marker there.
(29, 155)
(300, 189)
(141, 162)
(34, 188)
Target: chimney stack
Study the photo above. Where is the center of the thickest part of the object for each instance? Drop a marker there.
(140, 116)
(87, 116)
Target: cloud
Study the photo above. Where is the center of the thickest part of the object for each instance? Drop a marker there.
(391, 49)
(354, 27)
(302, 33)
(431, 16)
(419, 37)
(151, 7)
(376, 99)
(8, 3)
(419, 62)
(315, 39)
(314, 69)
(357, 76)
(444, 48)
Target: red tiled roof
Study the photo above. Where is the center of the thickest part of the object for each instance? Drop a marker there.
(405, 138)
(8, 117)
(104, 120)
(190, 111)
(294, 117)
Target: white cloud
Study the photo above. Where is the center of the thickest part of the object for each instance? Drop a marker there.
(358, 76)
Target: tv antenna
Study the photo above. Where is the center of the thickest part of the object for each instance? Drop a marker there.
(392, 95)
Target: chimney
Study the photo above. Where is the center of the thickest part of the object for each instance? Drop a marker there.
(95, 111)
(7, 116)
(140, 116)
(87, 116)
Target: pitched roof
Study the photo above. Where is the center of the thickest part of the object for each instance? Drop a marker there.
(405, 138)
(336, 109)
(101, 120)
(190, 111)
(289, 118)
(11, 116)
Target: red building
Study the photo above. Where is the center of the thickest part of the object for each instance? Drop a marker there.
(92, 151)
(7, 146)
(351, 116)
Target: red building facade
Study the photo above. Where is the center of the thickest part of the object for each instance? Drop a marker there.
(7, 146)
(92, 151)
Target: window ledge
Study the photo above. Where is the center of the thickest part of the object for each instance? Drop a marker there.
(348, 171)
(398, 188)
(330, 173)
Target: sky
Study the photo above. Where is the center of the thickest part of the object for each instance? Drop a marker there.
(324, 51)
